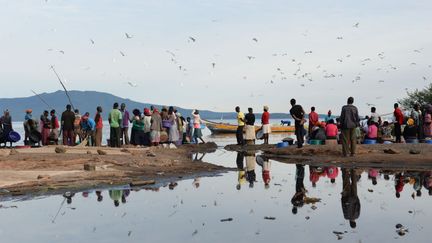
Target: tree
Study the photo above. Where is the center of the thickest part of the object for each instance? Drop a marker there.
(421, 97)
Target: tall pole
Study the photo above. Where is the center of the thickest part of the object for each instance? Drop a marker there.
(64, 87)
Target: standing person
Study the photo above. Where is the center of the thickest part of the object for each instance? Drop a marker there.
(99, 127)
(399, 121)
(297, 114)
(349, 122)
(147, 126)
(77, 126)
(265, 121)
(45, 127)
(6, 124)
(115, 119)
(28, 116)
(427, 125)
(241, 124)
(156, 127)
(173, 130)
(197, 134)
(125, 124)
(54, 127)
(67, 124)
(313, 119)
(190, 130)
(418, 120)
(328, 117)
(250, 126)
(375, 117)
(137, 135)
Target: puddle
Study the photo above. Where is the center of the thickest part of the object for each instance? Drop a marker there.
(301, 203)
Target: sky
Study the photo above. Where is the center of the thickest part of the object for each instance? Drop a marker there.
(248, 53)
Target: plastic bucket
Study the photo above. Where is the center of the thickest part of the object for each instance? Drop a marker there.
(282, 145)
(412, 141)
(387, 142)
(315, 142)
(369, 141)
(14, 137)
(429, 141)
(260, 134)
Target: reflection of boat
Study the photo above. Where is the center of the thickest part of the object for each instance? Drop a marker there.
(219, 127)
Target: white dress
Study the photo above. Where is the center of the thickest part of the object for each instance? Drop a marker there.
(173, 131)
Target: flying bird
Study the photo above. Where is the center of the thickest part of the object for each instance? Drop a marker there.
(132, 84)
(356, 25)
(424, 78)
(92, 41)
(381, 81)
(122, 53)
(369, 104)
(61, 51)
(250, 57)
(128, 36)
(339, 38)
(213, 64)
(192, 39)
(255, 39)
(308, 52)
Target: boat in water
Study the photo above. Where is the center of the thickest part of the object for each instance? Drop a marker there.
(220, 127)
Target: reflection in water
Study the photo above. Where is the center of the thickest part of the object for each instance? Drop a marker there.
(350, 200)
(300, 191)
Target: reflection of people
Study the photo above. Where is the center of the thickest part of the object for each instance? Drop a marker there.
(250, 168)
(399, 184)
(250, 128)
(332, 173)
(298, 199)
(196, 182)
(125, 194)
(373, 174)
(99, 196)
(116, 196)
(265, 164)
(68, 196)
(198, 158)
(240, 168)
(350, 200)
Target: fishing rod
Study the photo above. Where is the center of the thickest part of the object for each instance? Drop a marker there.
(42, 99)
(64, 87)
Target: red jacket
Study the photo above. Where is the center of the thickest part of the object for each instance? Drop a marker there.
(399, 116)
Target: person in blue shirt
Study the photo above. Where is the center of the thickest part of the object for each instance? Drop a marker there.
(88, 128)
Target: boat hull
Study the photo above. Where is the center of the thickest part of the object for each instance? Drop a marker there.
(219, 128)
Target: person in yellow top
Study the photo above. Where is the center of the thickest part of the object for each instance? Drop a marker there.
(241, 124)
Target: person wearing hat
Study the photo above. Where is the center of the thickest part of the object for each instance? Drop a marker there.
(410, 130)
(147, 125)
(265, 121)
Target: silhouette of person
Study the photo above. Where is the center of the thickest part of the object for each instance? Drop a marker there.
(350, 200)
(99, 196)
(250, 168)
(116, 196)
(240, 167)
(298, 199)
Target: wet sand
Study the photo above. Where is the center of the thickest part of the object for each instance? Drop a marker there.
(42, 169)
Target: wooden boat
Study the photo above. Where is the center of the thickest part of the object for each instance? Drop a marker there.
(219, 127)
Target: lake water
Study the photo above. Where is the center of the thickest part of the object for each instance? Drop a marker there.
(192, 211)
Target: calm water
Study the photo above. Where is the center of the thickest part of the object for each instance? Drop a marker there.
(192, 211)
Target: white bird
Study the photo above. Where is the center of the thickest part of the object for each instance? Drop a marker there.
(128, 36)
(339, 38)
(250, 57)
(255, 39)
(308, 52)
(339, 60)
(92, 41)
(132, 84)
(122, 53)
(213, 64)
(192, 38)
(424, 78)
(381, 81)
(61, 51)
(356, 25)
(369, 104)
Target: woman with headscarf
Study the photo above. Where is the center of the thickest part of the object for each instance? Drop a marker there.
(197, 134)
(45, 127)
(137, 136)
(410, 130)
(156, 127)
(99, 127)
(147, 125)
(6, 125)
(173, 130)
(55, 125)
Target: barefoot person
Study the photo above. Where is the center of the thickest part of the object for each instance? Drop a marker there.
(265, 121)
(297, 114)
(240, 127)
(349, 122)
(197, 134)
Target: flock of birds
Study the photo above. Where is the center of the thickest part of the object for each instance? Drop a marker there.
(302, 73)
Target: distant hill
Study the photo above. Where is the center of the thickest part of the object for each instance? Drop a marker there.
(89, 100)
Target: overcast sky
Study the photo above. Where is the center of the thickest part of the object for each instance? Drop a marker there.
(294, 55)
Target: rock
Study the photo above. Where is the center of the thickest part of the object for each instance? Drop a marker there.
(150, 154)
(370, 190)
(414, 151)
(13, 152)
(313, 207)
(89, 167)
(391, 151)
(398, 226)
(43, 177)
(312, 200)
(60, 150)
(89, 152)
(172, 146)
(125, 150)
(307, 217)
(101, 152)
